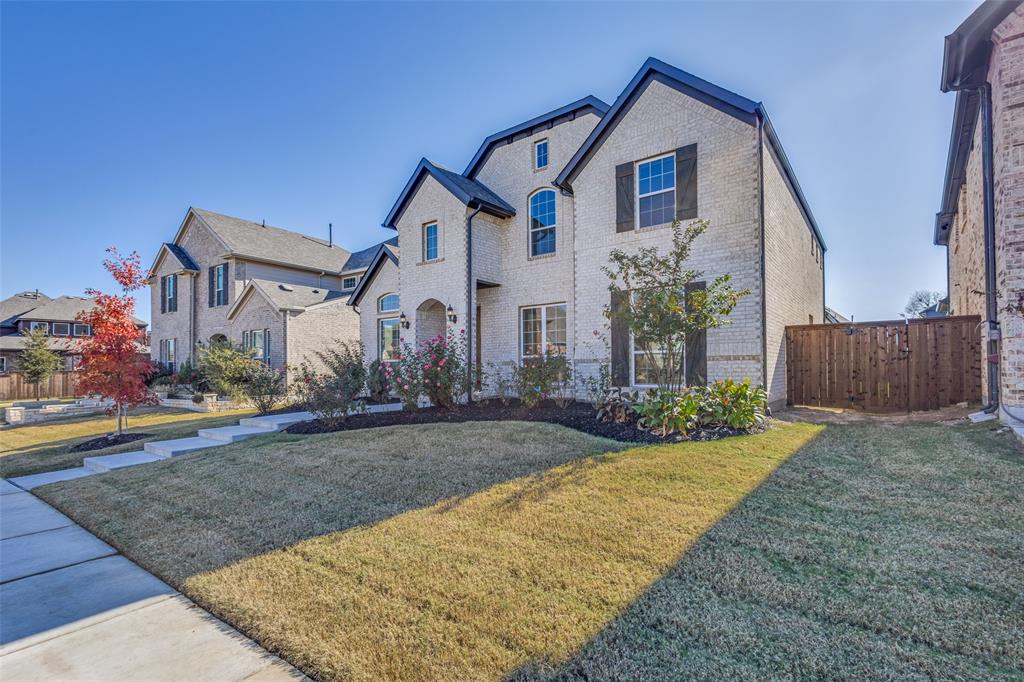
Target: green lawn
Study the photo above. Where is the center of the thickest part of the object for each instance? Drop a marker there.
(34, 448)
(484, 550)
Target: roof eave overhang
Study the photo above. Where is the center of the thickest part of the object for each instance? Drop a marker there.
(383, 253)
(426, 167)
(965, 119)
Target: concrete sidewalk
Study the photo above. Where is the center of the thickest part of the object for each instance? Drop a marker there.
(72, 608)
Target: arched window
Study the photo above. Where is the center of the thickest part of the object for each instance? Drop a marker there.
(388, 303)
(542, 222)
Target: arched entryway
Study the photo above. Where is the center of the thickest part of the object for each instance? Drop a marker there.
(218, 339)
(430, 320)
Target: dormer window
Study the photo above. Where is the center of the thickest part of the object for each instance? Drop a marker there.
(540, 154)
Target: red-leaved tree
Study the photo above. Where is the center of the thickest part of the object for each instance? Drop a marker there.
(112, 365)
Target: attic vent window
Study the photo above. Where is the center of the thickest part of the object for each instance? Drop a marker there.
(285, 287)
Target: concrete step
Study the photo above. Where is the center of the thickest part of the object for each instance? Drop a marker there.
(35, 480)
(277, 422)
(180, 446)
(232, 434)
(121, 460)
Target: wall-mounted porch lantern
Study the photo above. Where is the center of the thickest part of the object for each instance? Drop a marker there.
(403, 321)
(452, 317)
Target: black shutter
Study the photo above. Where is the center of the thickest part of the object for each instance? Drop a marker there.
(163, 294)
(686, 182)
(224, 301)
(266, 346)
(172, 303)
(213, 284)
(619, 341)
(624, 197)
(696, 358)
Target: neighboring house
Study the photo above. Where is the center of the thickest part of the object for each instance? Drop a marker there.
(981, 220)
(57, 317)
(832, 317)
(511, 249)
(280, 293)
(938, 309)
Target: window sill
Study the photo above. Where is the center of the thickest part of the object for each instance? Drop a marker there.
(540, 170)
(542, 256)
(431, 262)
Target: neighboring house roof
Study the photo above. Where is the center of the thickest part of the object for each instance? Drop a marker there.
(16, 342)
(291, 297)
(569, 112)
(255, 241)
(740, 107)
(965, 61)
(181, 256)
(64, 309)
(470, 192)
(832, 317)
(360, 260)
(13, 307)
(385, 252)
(939, 309)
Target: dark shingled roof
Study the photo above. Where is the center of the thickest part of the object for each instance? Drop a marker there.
(360, 260)
(182, 256)
(470, 192)
(13, 307)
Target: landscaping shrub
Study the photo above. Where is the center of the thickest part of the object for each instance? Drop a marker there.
(501, 381)
(736, 405)
(189, 375)
(594, 388)
(406, 377)
(264, 386)
(663, 412)
(536, 378)
(377, 383)
(561, 383)
(618, 406)
(443, 361)
(223, 366)
(160, 378)
(331, 394)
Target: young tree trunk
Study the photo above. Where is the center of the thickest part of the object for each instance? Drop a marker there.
(119, 417)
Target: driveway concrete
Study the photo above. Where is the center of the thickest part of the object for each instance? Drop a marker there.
(71, 608)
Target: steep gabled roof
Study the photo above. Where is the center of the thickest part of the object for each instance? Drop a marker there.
(290, 297)
(13, 307)
(569, 112)
(470, 192)
(179, 254)
(726, 101)
(360, 260)
(385, 252)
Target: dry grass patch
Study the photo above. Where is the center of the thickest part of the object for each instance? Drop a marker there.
(476, 587)
(35, 448)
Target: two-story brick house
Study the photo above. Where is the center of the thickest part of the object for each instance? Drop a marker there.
(512, 248)
(281, 293)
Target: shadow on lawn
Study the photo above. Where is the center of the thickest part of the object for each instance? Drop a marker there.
(874, 552)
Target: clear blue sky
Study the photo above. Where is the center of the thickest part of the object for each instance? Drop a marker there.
(118, 117)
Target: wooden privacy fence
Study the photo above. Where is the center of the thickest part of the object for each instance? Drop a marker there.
(14, 387)
(885, 366)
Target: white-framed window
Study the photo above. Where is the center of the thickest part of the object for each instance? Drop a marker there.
(258, 341)
(349, 283)
(540, 154)
(61, 329)
(389, 335)
(170, 289)
(542, 330)
(656, 191)
(3, 365)
(388, 303)
(219, 284)
(45, 326)
(431, 242)
(543, 222)
(168, 352)
(82, 330)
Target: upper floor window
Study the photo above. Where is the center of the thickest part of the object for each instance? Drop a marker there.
(431, 250)
(349, 282)
(169, 290)
(82, 330)
(388, 303)
(542, 223)
(219, 285)
(45, 326)
(656, 190)
(61, 329)
(540, 154)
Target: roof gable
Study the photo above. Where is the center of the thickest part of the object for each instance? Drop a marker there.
(384, 254)
(13, 307)
(655, 69)
(287, 297)
(569, 112)
(360, 260)
(472, 193)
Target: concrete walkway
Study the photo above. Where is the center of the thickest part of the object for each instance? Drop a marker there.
(73, 608)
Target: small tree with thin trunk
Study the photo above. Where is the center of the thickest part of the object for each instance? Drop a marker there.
(659, 309)
(37, 362)
(112, 365)
(920, 301)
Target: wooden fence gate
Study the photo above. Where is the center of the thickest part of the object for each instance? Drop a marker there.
(14, 387)
(885, 366)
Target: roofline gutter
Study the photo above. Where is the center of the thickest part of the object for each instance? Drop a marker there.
(988, 193)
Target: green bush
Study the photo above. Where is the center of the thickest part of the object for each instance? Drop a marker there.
(377, 383)
(618, 406)
(663, 412)
(331, 394)
(725, 403)
(223, 367)
(264, 386)
(443, 360)
(537, 378)
(406, 376)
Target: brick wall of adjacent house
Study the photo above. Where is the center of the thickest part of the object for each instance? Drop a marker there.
(794, 270)
(258, 313)
(319, 328)
(661, 121)
(384, 282)
(966, 240)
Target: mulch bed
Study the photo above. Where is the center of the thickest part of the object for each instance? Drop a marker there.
(579, 416)
(108, 441)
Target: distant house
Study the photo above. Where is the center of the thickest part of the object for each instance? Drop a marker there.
(832, 317)
(55, 316)
(939, 309)
(981, 218)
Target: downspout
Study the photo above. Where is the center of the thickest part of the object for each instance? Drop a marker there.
(764, 276)
(470, 343)
(991, 302)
